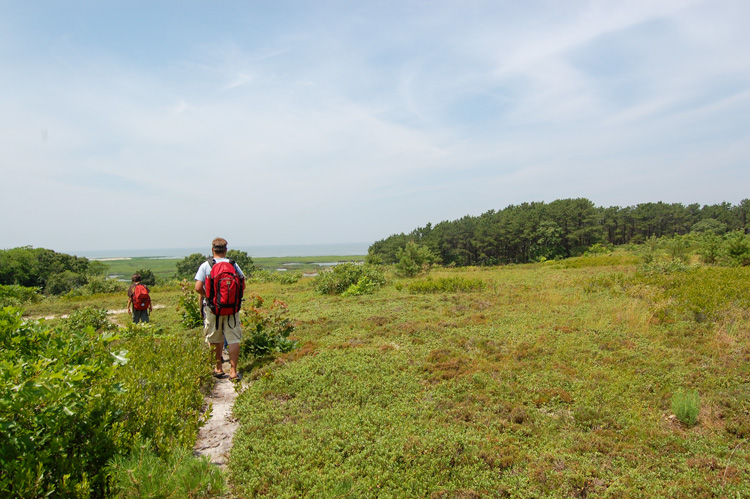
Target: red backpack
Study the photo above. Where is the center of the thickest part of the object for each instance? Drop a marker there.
(141, 298)
(224, 288)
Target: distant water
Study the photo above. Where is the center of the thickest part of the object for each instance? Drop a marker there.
(342, 249)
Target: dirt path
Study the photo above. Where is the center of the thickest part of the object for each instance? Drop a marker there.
(109, 312)
(215, 437)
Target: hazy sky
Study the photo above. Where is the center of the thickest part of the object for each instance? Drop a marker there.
(127, 124)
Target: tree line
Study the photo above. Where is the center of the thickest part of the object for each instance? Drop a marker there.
(537, 231)
(56, 273)
(42, 268)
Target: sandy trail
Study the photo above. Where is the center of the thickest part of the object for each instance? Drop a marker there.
(109, 312)
(215, 437)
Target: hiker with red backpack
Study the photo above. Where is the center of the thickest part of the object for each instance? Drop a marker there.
(139, 299)
(221, 284)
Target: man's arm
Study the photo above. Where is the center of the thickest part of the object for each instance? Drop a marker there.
(200, 289)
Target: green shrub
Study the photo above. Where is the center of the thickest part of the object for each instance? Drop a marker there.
(189, 305)
(737, 249)
(709, 248)
(98, 285)
(413, 259)
(141, 329)
(58, 417)
(14, 295)
(338, 279)
(364, 286)
(93, 317)
(288, 277)
(188, 266)
(598, 249)
(686, 406)
(176, 475)
(596, 260)
(266, 330)
(679, 248)
(446, 285)
(147, 276)
(64, 282)
(662, 266)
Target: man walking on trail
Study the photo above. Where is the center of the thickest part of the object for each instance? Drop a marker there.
(139, 300)
(221, 293)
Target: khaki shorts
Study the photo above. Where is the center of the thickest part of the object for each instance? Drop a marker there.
(227, 326)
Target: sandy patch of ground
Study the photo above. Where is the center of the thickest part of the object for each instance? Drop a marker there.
(109, 312)
(215, 437)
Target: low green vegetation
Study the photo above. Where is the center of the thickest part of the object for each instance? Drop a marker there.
(350, 279)
(446, 285)
(95, 406)
(686, 406)
(547, 380)
(564, 378)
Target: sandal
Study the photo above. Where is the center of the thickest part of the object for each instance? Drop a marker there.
(235, 378)
(220, 375)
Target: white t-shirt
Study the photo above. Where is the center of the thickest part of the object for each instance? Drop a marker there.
(205, 268)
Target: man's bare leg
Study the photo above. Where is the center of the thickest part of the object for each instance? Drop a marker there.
(234, 355)
(217, 349)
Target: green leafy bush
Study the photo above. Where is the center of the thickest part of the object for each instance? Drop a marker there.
(599, 249)
(679, 248)
(14, 295)
(414, 259)
(98, 285)
(141, 329)
(189, 305)
(288, 277)
(709, 248)
(93, 317)
(686, 406)
(662, 266)
(188, 266)
(64, 282)
(364, 286)
(737, 249)
(58, 417)
(338, 279)
(266, 330)
(242, 259)
(147, 276)
(446, 285)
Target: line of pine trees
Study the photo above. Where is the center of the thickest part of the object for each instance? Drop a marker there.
(535, 231)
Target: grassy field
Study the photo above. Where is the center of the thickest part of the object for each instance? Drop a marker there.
(164, 268)
(555, 380)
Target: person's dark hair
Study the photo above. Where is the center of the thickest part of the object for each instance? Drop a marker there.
(136, 278)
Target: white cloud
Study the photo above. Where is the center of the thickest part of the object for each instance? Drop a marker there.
(353, 121)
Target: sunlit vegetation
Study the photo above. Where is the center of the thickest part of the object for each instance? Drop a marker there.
(621, 372)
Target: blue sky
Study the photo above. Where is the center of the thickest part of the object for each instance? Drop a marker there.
(129, 124)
